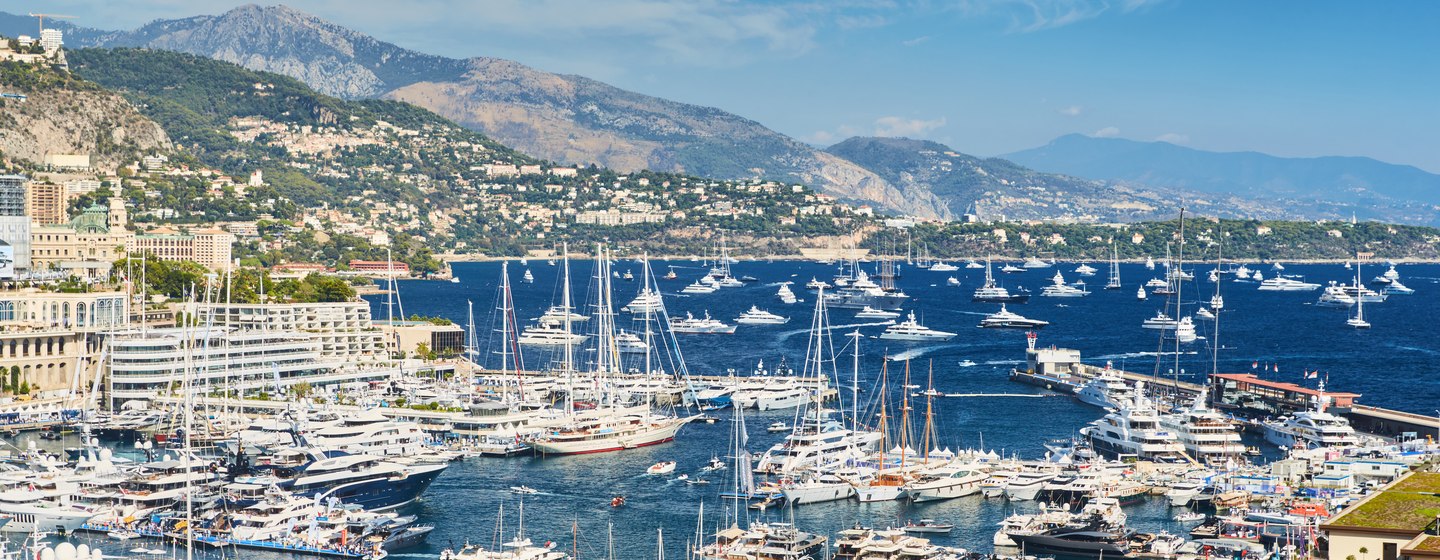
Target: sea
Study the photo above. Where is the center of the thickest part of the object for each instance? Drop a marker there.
(1277, 335)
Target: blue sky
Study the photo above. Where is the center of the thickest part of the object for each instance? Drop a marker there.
(986, 77)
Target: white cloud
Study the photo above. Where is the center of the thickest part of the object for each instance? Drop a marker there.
(821, 137)
(1028, 16)
(915, 41)
(1071, 111)
(1173, 138)
(1107, 132)
(900, 126)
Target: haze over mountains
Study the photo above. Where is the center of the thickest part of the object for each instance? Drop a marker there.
(573, 119)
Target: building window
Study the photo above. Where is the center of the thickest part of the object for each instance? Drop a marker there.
(1391, 550)
(7, 311)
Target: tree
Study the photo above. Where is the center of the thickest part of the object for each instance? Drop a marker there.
(14, 379)
(301, 389)
(424, 352)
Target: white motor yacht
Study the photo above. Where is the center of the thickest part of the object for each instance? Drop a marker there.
(872, 313)
(973, 264)
(1285, 284)
(630, 343)
(1034, 262)
(699, 287)
(757, 316)
(1312, 428)
(1106, 390)
(1134, 430)
(786, 295)
(1396, 287)
(1006, 319)
(815, 284)
(947, 481)
(942, 266)
(646, 301)
(549, 335)
(693, 325)
(1335, 296)
(911, 330)
(1085, 270)
(1208, 436)
(1159, 321)
(1058, 288)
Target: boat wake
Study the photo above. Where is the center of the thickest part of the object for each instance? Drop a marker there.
(1128, 355)
(788, 334)
(913, 353)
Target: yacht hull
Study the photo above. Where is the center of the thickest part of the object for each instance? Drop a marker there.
(643, 438)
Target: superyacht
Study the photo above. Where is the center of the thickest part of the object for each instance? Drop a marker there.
(910, 330)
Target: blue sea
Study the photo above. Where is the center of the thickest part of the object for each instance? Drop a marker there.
(1396, 364)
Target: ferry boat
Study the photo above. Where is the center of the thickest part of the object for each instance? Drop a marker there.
(757, 316)
(912, 331)
(1285, 284)
(1006, 319)
(693, 325)
(872, 313)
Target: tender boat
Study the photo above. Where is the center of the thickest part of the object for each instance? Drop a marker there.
(663, 467)
(929, 526)
(777, 427)
(757, 316)
(912, 331)
(952, 281)
(1006, 319)
(523, 490)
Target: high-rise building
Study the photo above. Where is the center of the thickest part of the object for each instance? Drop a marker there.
(47, 204)
(51, 40)
(14, 222)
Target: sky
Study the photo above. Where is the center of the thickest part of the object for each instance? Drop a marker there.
(987, 77)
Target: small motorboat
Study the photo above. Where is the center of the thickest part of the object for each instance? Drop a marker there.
(928, 526)
(523, 490)
(123, 534)
(663, 467)
(777, 426)
(715, 464)
(967, 363)
(617, 501)
(1189, 517)
(455, 280)
(697, 481)
(951, 281)
(683, 477)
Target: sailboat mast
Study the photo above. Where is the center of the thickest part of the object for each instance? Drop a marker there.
(1179, 286)
(929, 412)
(565, 308)
(855, 385)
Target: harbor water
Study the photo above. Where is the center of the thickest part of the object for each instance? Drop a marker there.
(1395, 364)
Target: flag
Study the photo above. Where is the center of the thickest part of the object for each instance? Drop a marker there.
(1277, 368)
(1313, 374)
(1254, 365)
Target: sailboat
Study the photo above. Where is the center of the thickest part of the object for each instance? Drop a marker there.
(1358, 321)
(1114, 283)
(611, 427)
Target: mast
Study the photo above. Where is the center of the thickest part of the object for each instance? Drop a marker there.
(929, 412)
(855, 384)
(905, 415)
(566, 364)
(1215, 333)
(1179, 285)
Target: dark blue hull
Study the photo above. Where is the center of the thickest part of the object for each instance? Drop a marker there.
(379, 493)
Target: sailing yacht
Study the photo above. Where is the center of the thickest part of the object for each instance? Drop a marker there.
(610, 427)
(994, 293)
(1114, 282)
(1358, 321)
(818, 441)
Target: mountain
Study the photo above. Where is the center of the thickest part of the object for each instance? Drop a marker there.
(1325, 185)
(996, 188)
(63, 115)
(564, 118)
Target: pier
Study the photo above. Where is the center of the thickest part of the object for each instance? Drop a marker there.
(1242, 394)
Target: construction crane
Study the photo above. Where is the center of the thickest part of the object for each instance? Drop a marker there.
(42, 20)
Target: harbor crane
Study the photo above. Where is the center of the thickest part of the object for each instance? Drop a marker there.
(51, 16)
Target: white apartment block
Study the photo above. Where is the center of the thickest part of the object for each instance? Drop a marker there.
(343, 329)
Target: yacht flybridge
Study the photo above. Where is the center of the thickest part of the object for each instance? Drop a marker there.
(910, 330)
